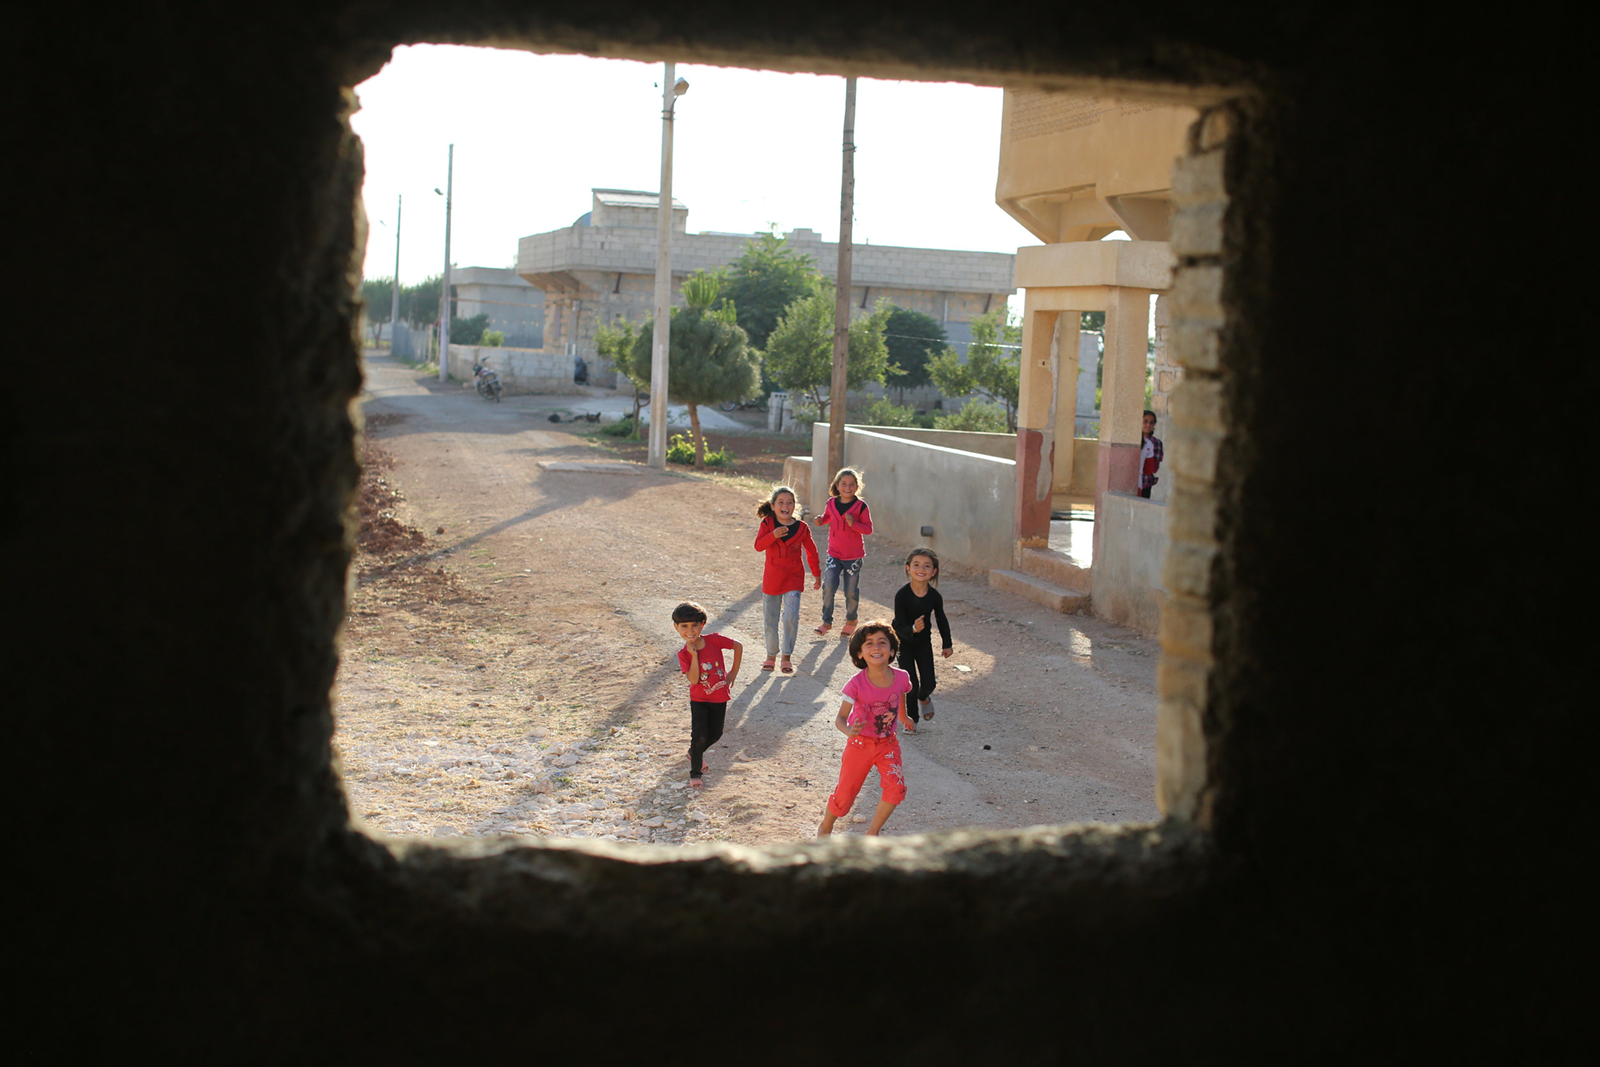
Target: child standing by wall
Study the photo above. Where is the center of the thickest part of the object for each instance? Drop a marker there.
(916, 606)
(1150, 455)
(710, 685)
(787, 542)
(848, 521)
(874, 704)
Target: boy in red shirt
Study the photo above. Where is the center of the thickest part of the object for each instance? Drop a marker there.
(710, 684)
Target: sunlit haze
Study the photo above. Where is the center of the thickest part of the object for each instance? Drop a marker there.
(534, 134)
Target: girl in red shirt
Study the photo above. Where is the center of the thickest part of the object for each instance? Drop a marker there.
(784, 538)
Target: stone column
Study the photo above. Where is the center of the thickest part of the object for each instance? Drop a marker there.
(1121, 395)
(1168, 374)
(1037, 402)
(1065, 350)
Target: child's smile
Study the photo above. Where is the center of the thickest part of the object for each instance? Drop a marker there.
(921, 569)
(875, 650)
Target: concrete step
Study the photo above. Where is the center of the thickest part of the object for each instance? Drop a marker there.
(1036, 589)
(1055, 567)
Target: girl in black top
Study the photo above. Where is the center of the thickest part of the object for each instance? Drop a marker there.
(916, 606)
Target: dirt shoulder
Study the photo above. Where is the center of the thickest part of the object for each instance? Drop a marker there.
(509, 665)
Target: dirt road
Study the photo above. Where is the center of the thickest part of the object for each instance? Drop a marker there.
(509, 664)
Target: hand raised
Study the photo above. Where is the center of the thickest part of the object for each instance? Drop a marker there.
(920, 625)
(780, 530)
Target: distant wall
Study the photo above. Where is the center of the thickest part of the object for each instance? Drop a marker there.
(998, 445)
(968, 498)
(521, 370)
(1130, 549)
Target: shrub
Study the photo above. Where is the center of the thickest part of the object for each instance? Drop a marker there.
(982, 416)
(493, 338)
(468, 331)
(623, 427)
(681, 450)
(805, 412)
(884, 412)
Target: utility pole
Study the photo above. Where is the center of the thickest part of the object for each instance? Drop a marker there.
(661, 332)
(841, 307)
(394, 307)
(444, 291)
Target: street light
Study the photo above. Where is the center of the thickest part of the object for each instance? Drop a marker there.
(656, 456)
(444, 290)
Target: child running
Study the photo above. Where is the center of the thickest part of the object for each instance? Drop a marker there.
(710, 685)
(784, 539)
(848, 521)
(874, 704)
(916, 606)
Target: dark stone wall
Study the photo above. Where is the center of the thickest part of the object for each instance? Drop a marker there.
(1395, 731)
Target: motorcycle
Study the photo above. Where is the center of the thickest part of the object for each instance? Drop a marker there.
(488, 382)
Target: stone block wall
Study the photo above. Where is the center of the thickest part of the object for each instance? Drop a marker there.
(521, 370)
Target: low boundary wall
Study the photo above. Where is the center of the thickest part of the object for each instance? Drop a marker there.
(1130, 548)
(521, 370)
(968, 498)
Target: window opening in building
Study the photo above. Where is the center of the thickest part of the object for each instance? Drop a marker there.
(509, 661)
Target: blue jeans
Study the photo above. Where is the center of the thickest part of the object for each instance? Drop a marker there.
(788, 605)
(846, 572)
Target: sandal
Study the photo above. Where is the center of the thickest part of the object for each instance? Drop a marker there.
(767, 664)
(787, 668)
(824, 628)
(849, 628)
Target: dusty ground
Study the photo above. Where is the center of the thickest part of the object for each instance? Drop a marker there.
(510, 667)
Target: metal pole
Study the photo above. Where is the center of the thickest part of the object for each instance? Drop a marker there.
(662, 331)
(841, 306)
(444, 290)
(394, 307)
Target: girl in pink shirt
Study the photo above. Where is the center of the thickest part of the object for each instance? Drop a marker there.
(874, 704)
(848, 521)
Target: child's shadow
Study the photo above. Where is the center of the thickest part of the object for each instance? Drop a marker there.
(820, 655)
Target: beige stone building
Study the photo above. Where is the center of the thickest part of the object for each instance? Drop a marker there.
(602, 268)
(1074, 169)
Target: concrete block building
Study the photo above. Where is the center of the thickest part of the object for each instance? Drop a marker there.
(514, 307)
(602, 268)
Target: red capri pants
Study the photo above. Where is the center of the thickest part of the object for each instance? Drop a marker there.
(861, 754)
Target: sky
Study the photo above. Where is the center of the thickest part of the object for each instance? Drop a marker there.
(534, 134)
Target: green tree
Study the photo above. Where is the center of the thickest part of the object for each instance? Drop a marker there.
(800, 350)
(468, 331)
(377, 294)
(709, 359)
(616, 342)
(763, 282)
(419, 304)
(913, 339)
(992, 367)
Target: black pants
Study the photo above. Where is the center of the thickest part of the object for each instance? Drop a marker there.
(705, 729)
(916, 659)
